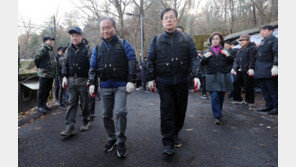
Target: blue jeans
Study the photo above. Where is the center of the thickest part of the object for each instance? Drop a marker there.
(217, 99)
(230, 93)
(114, 99)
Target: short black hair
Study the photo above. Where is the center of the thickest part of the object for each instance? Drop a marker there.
(227, 42)
(180, 27)
(108, 18)
(269, 27)
(167, 10)
(60, 48)
(234, 43)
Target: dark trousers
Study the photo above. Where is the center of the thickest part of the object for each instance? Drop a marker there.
(173, 105)
(61, 90)
(143, 84)
(45, 85)
(230, 93)
(75, 92)
(92, 101)
(217, 99)
(191, 83)
(92, 105)
(269, 88)
(57, 87)
(243, 79)
(144, 80)
(203, 85)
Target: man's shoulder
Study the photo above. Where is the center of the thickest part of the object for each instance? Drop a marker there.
(41, 50)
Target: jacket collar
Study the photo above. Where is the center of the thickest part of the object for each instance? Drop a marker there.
(211, 50)
(113, 39)
(79, 46)
(48, 46)
(166, 34)
(269, 37)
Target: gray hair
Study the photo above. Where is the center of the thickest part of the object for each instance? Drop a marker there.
(108, 18)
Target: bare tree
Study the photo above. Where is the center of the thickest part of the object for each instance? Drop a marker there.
(178, 5)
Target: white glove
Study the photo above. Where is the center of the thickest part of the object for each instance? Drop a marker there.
(274, 71)
(250, 72)
(233, 72)
(196, 84)
(92, 91)
(223, 51)
(208, 54)
(151, 86)
(130, 87)
(64, 83)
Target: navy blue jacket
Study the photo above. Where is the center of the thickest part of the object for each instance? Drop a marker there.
(246, 58)
(267, 56)
(129, 53)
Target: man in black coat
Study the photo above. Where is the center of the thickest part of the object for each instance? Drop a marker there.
(266, 69)
(243, 69)
(171, 57)
(75, 76)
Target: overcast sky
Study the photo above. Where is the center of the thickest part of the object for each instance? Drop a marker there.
(40, 11)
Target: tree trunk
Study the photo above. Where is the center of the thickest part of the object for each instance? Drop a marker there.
(254, 15)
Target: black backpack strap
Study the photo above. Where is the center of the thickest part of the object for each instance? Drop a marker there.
(186, 37)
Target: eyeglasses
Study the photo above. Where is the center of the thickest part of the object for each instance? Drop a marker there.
(243, 40)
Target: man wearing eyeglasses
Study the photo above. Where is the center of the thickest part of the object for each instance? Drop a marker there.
(171, 57)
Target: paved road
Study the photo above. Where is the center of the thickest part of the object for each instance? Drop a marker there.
(246, 139)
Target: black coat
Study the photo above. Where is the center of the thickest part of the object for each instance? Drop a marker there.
(171, 58)
(59, 66)
(76, 61)
(216, 63)
(267, 56)
(233, 53)
(246, 58)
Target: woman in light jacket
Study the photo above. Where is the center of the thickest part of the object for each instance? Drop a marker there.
(217, 61)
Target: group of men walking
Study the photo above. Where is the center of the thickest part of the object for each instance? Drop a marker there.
(171, 64)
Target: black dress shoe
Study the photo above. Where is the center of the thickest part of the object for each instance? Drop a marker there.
(42, 110)
(264, 109)
(218, 121)
(168, 150)
(273, 112)
(46, 107)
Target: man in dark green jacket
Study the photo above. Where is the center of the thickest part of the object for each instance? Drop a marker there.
(46, 63)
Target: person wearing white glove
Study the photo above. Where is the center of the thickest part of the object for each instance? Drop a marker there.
(208, 54)
(92, 91)
(274, 71)
(245, 62)
(218, 80)
(169, 70)
(64, 83)
(130, 87)
(119, 62)
(225, 52)
(75, 72)
(151, 86)
(266, 69)
(233, 72)
(196, 84)
(250, 72)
